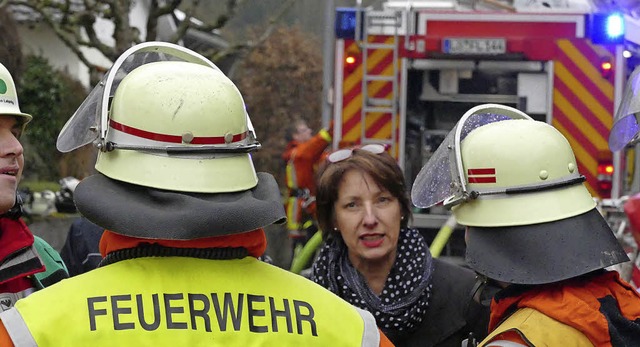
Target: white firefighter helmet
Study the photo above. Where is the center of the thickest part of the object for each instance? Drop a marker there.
(626, 126)
(9, 97)
(517, 187)
(167, 121)
(516, 168)
(169, 106)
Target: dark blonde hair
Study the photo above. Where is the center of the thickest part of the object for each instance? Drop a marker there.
(381, 167)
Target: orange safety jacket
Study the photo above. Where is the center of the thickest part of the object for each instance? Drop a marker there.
(601, 308)
(302, 161)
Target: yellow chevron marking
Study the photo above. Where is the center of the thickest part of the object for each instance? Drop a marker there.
(583, 94)
(576, 118)
(591, 71)
(373, 59)
(587, 160)
(352, 109)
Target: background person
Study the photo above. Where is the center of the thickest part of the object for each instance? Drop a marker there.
(303, 154)
(184, 212)
(27, 263)
(533, 228)
(372, 260)
(81, 250)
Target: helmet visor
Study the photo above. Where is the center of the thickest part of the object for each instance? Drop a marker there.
(625, 128)
(441, 179)
(90, 121)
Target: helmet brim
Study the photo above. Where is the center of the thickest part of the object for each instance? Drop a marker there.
(26, 118)
(545, 252)
(151, 213)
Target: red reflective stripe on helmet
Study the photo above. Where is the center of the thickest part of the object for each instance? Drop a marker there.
(214, 140)
(488, 171)
(484, 175)
(482, 179)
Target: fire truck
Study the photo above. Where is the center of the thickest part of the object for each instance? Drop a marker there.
(406, 72)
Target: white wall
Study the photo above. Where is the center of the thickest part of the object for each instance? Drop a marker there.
(39, 39)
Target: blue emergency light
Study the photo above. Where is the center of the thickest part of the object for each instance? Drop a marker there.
(606, 28)
(346, 22)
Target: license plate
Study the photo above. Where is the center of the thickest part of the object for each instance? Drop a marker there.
(474, 46)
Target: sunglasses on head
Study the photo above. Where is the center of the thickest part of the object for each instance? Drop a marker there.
(346, 153)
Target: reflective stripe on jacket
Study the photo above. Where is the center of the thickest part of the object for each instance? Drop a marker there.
(539, 330)
(170, 301)
(603, 309)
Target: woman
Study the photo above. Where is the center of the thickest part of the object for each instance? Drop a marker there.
(372, 260)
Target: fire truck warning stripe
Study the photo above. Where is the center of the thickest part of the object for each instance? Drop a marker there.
(374, 59)
(379, 127)
(583, 104)
(370, 120)
(585, 66)
(576, 132)
(580, 149)
(586, 163)
(583, 149)
(576, 81)
(352, 90)
(351, 111)
(567, 111)
(597, 113)
(597, 107)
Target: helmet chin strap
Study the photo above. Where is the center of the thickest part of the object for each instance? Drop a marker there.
(16, 211)
(485, 289)
(531, 188)
(466, 196)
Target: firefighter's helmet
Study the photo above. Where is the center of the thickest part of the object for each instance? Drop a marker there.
(173, 133)
(9, 97)
(514, 182)
(626, 125)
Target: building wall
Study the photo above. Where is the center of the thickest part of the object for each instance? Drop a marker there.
(39, 39)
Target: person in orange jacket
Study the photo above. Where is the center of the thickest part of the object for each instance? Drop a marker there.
(533, 230)
(184, 212)
(303, 154)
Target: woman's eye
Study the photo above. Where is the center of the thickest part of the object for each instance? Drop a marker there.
(384, 199)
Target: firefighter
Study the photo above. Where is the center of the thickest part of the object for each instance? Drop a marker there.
(184, 212)
(533, 228)
(303, 154)
(27, 262)
(626, 127)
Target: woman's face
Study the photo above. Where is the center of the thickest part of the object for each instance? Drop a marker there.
(368, 219)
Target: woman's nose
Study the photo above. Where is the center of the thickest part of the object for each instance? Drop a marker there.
(370, 218)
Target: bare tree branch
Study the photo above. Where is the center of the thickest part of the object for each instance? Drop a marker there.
(250, 46)
(74, 22)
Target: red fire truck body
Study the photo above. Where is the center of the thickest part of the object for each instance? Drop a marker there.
(405, 74)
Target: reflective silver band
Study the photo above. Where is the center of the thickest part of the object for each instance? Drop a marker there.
(370, 335)
(17, 328)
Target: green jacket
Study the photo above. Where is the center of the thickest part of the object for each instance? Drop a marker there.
(55, 268)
